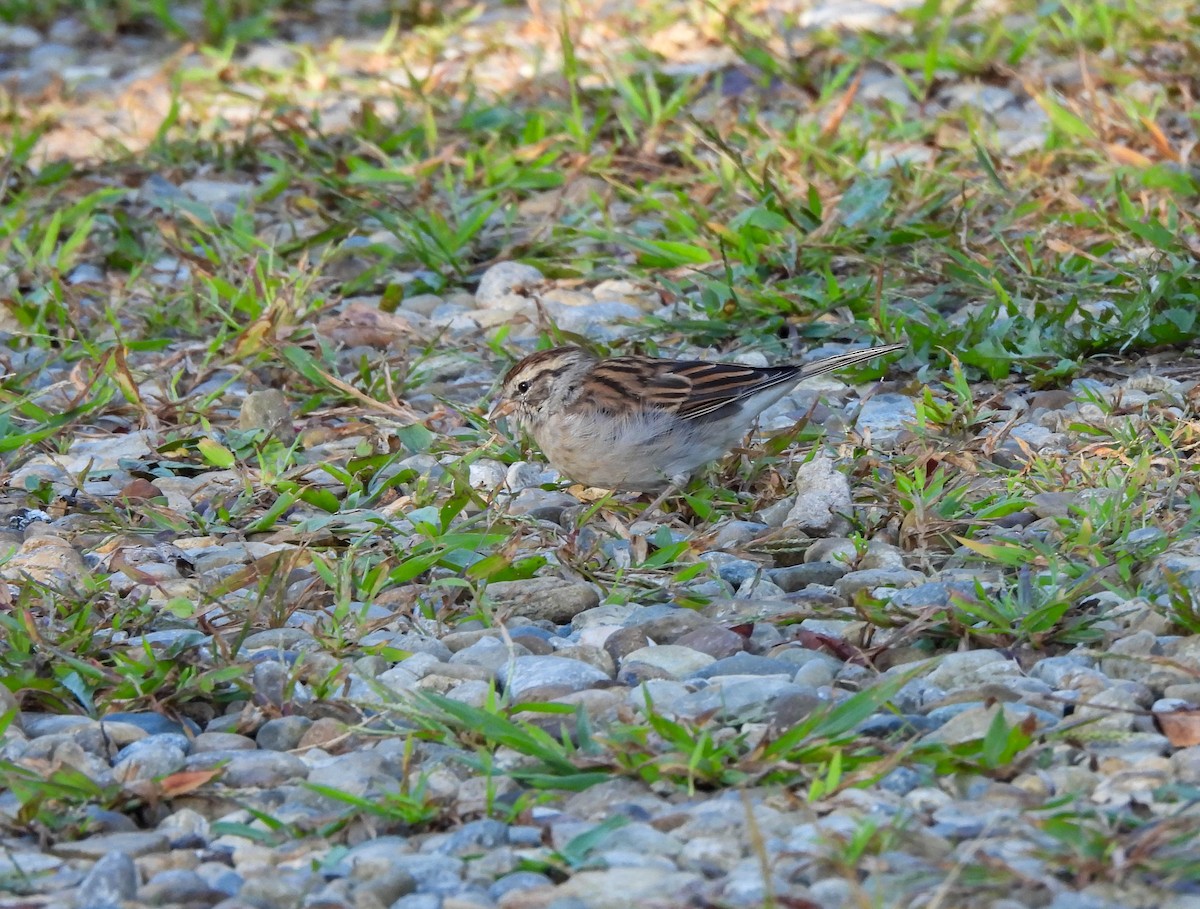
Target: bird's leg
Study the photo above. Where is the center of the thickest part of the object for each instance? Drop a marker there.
(674, 487)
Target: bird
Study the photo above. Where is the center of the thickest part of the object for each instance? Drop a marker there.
(644, 424)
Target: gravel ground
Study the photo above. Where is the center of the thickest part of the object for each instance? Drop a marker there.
(333, 765)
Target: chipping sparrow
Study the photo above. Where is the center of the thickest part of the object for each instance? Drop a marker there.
(641, 423)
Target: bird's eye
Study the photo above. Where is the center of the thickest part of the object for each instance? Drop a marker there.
(522, 387)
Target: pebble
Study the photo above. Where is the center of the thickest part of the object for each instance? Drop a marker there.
(823, 502)
(549, 599)
(526, 675)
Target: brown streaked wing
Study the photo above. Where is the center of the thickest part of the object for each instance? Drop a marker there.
(631, 384)
(690, 388)
(715, 385)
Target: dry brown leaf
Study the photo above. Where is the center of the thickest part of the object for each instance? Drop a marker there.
(1181, 727)
(1160, 140)
(834, 120)
(364, 325)
(1122, 154)
(185, 781)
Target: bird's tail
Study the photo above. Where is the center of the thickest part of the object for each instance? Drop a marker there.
(829, 364)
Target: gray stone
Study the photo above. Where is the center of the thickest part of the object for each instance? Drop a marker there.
(972, 669)
(263, 769)
(111, 881)
(517, 881)
(282, 733)
(131, 845)
(744, 664)
(868, 579)
(884, 417)
(178, 886)
(676, 661)
(929, 595)
(552, 599)
(506, 285)
(620, 888)
(270, 411)
(149, 759)
(737, 698)
(440, 874)
(221, 741)
(797, 577)
(530, 673)
(823, 500)
(973, 724)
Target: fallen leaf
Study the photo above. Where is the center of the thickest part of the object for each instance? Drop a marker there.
(1181, 727)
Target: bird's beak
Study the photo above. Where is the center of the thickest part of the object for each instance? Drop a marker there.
(501, 409)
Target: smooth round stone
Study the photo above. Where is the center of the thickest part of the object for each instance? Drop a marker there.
(916, 695)
(823, 499)
(797, 577)
(490, 653)
(673, 659)
(221, 741)
(737, 698)
(269, 681)
(971, 669)
(419, 901)
(473, 836)
(715, 640)
(902, 781)
(881, 555)
(710, 855)
(327, 733)
(737, 571)
(412, 642)
(37, 725)
(632, 674)
(666, 624)
(734, 533)
(624, 641)
(973, 724)
(283, 733)
(552, 599)
(794, 707)
(620, 888)
(524, 474)
(186, 828)
(263, 769)
(131, 845)
(504, 284)
(593, 656)
(518, 881)
(868, 579)
(151, 758)
(279, 638)
(527, 673)
(815, 674)
(486, 475)
(887, 724)
(929, 595)
(279, 888)
(744, 664)
(113, 880)
(885, 416)
(660, 693)
(838, 550)
(433, 874)
(386, 885)
(151, 723)
(177, 886)
(102, 820)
